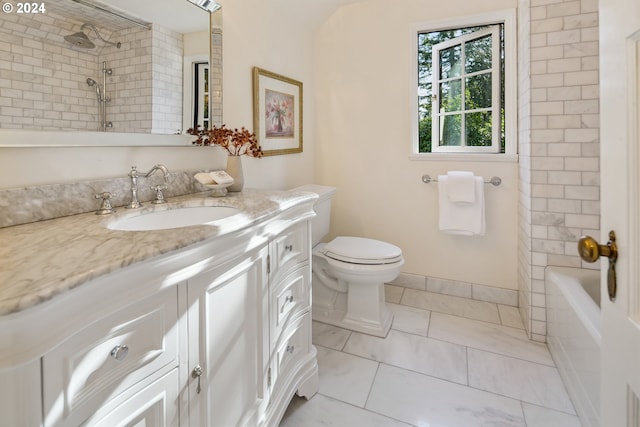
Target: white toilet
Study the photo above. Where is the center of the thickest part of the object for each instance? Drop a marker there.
(349, 274)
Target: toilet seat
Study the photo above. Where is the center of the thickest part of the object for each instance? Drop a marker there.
(359, 250)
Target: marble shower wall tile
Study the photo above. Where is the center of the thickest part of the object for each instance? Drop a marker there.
(39, 203)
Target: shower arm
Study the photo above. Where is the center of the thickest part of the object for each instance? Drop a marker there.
(95, 30)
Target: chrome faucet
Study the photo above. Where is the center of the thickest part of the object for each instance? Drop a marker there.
(134, 175)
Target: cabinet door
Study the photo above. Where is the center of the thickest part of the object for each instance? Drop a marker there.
(228, 341)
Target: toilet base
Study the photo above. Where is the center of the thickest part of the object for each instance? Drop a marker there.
(366, 311)
(337, 318)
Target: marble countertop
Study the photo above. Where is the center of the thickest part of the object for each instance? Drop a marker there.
(43, 259)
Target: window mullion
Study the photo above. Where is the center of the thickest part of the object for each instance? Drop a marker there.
(463, 96)
(435, 98)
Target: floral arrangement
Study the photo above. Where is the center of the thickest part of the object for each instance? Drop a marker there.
(236, 142)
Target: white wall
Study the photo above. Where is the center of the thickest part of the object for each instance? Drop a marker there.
(355, 72)
(254, 34)
(363, 69)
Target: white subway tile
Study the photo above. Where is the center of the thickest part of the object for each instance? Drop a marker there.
(547, 52)
(546, 26)
(582, 221)
(581, 107)
(547, 81)
(581, 78)
(565, 121)
(582, 164)
(563, 9)
(563, 37)
(582, 135)
(583, 20)
(582, 192)
(547, 108)
(565, 206)
(562, 177)
(589, 48)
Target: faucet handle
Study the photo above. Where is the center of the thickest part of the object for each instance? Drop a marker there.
(105, 206)
(159, 194)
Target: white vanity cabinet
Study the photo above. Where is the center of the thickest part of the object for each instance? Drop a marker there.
(215, 334)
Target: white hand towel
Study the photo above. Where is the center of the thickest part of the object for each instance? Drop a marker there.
(466, 219)
(461, 187)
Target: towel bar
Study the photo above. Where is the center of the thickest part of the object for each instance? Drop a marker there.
(495, 180)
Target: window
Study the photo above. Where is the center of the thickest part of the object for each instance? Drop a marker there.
(466, 86)
(201, 95)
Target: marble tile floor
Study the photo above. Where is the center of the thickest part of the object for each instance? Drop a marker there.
(447, 362)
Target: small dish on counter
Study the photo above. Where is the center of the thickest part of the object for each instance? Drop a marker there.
(218, 190)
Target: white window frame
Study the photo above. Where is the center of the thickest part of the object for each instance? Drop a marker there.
(508, 19)
(439, 116)
(189, 93)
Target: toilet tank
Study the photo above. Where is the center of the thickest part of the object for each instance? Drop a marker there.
(322, 207)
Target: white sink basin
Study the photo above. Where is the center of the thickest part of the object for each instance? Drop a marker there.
(174, 218)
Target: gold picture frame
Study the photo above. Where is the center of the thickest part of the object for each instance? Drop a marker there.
(277, 112)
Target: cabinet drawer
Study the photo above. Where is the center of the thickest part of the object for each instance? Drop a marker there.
(108, 356)
(294, 345)
(289, 299)
(289, 248)
(154, 405)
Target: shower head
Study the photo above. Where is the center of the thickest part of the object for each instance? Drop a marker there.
(80, 40)
(92, 83)
(95, 30)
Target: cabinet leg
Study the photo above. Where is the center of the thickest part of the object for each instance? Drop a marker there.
(308, 386)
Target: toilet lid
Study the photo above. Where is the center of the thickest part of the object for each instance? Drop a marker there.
(358, 250)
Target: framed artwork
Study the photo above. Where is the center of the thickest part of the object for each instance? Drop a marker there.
(277, 112)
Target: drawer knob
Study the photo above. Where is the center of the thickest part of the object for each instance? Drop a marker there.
(289, 299)
(119, 352)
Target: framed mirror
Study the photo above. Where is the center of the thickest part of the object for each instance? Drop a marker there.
(144, 67)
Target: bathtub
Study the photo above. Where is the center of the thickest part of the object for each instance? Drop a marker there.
(574, 335)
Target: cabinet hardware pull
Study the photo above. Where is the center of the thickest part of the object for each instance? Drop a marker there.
(290, 349)
(196, 373)
(119, 352)
(289, 298)
(288, 248)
